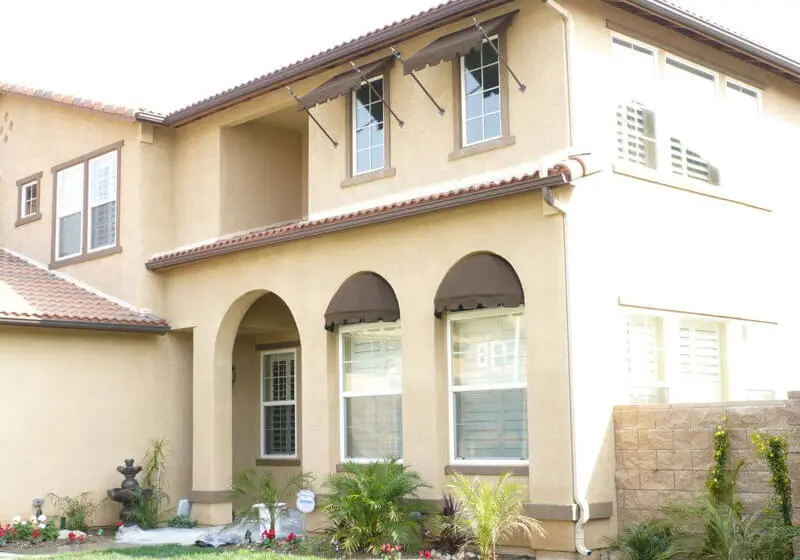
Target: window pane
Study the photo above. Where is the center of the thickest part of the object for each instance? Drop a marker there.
(279, 377)
(373, 427)
(376, 158)
(69, 234)
(699, 368)
(491, 424)
(362, 138)
(376, 134)
(103, 178)
(279, 430)
(104, 225)
(368, 127)
(488, 350)
(363, 95)
(473, 60)
(489, 54)
(474, 105)
(372, 360)
(472, 80)
(69, 192)
(474, 130)
(491, 126)
(491, 101)
(491, 77)
(362, 161)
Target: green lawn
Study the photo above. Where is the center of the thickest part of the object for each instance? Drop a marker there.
(176, 551)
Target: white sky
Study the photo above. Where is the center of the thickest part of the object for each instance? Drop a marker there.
(164, 54)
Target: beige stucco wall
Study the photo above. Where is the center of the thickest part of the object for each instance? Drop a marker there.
(261, 176)
(306, 274)
(76, 403)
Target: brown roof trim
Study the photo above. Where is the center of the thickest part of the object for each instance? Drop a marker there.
(302, 230)
(362, 46)
(83, 325)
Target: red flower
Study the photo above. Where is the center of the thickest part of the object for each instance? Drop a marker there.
(71, 537)
(271, 534)
(35, 533)
(81, 540)
(291, 537)
(264, 534)
(15, 533)
(119, 524)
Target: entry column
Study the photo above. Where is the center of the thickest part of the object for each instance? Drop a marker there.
(212, 453)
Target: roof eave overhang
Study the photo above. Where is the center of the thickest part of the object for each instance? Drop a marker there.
(363, 46)
(82, 325)
(325, 227)
(721, 38)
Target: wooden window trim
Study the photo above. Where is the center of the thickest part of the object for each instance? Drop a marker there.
(387, 171)
(35, 178)
(505, 138)
(86, 254)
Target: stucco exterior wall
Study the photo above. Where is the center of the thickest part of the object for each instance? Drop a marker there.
(75, 404)
(261, 176)
(664, 452)
(306, 274)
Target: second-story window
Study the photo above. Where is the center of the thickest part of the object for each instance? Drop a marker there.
(86, 193)
(368, 127)
(480, 94)
(671, 113)
(29, 191)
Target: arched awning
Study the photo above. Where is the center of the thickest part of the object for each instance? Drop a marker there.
(365, 297)
(480, 281)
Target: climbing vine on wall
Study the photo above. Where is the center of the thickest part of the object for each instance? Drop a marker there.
(775, 451)
(718, 482)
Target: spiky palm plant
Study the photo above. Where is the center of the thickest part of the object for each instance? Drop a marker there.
(492, 512)
(255, 486)
(371, 505)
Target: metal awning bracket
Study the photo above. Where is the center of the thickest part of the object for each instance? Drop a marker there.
(313, 118)
(439, 108)
(479, 27)
(376, 94)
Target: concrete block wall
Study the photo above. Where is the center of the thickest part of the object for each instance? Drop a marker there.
(663, 452)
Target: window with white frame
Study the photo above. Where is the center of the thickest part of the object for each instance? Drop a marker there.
(488, 386)
(675, 116)
(368, 127)
(86, 205)
(370, 388)
(674, 358)
(480, 94)
(279, 403)
(29, 199)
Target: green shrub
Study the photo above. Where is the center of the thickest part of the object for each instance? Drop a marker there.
(147, 506)
(491, 513)
(77, 512)
(648, 540)
(775, 451)
(257, 486)
(371, 505)
(181, 522)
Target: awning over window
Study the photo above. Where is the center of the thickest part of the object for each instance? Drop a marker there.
(365, 297)
(343, 83)
(480, 281)
(456, 44)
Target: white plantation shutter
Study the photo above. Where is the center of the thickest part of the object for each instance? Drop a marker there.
(634, 79)
(644, 359)
(691, 164)
(699, 361)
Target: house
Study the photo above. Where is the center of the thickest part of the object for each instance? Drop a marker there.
(462, 252)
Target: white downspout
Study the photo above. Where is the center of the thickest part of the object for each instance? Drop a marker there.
(579, 495)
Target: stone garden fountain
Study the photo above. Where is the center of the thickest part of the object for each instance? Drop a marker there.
(130, 488)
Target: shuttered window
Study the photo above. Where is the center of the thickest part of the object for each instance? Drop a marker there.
(279, 404)
(644, 359)
(699, 362)
(673, 115)
(371, 402)
(488, 386)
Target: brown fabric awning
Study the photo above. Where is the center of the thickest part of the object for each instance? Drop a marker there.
(456, 44)
(365, 297)
(343, 83)
(480, 281)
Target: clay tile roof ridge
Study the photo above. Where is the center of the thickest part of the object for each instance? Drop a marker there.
(146, 313)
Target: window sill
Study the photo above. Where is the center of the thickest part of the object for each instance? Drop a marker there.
(488, 470)
(275, 462)
(685, 184)
(86, 257)
(28, 219)
(487, 146)
(376, 175)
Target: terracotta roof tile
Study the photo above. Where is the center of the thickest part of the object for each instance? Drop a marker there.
(31, 294)
(572, 167)
(74, 101)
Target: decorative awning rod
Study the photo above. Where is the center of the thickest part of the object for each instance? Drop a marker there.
(376, 94)
(439, 108)
(522, 87)
(313, 118)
